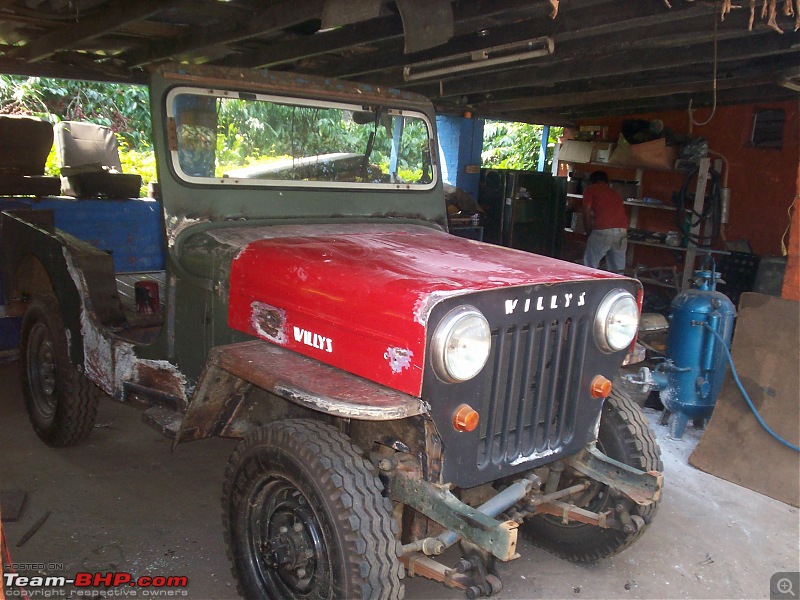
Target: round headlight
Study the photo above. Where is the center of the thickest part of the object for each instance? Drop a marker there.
(616, 321)
(460, 345)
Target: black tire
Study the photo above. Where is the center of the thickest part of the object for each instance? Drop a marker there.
(61, 401)
(625, 436)
(304, 517)
(634, 392)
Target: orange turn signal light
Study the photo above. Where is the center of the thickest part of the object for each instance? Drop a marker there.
(600, 387)
(465, 418)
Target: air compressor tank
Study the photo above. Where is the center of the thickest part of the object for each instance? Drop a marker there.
(698, 364)
(690, 379)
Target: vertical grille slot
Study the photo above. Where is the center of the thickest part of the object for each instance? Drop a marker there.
(533, 389)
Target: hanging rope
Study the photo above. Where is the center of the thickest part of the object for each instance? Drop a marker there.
(714, 84)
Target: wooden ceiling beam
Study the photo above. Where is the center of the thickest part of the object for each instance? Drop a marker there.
(649, 63)
(584, 52)
(759, 94)
(12, 66)
(368, 32)
(117, 14)
(269, 20)
(621, 94)
(610, 24)
(376, 31)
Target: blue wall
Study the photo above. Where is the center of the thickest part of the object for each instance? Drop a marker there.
(460, 144)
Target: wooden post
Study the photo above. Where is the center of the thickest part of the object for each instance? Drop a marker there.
(699, 200)
(791, 280)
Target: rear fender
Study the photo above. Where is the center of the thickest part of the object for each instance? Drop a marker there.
(38, 259)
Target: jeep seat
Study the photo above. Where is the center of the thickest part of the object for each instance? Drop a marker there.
(89, 159)
(25, 143)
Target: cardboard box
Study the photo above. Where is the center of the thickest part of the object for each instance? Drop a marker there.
(648, 155)
(602, 151)
(585, 152)
(574, 151)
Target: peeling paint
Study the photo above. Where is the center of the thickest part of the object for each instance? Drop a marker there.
(425, 303)
(399, 358)
(176, 225)
(173, 381)
(534, 456)
(344, 409)
(98, 353)
(108, 361)
(269, 322)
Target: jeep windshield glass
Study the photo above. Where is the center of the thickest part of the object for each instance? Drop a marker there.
(237, 138)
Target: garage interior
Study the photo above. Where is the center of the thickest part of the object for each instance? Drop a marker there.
(722, 77)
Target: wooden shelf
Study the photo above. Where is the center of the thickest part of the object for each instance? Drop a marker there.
(640, 204)
(698, 249)
(628, 167)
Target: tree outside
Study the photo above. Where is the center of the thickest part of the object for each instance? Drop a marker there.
(509, 145)
(126, 110)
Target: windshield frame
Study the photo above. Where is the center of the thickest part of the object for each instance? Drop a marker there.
(250, 182)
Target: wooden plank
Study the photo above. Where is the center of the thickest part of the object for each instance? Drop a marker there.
(628, 23)
(734, 446)
(622, 58)
(116, 14)
(633, 93)
(376, 31)
(11, 66)
(274, 18)
(569, 115)
(369, 32)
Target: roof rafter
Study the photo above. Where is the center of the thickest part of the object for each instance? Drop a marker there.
(119, 14)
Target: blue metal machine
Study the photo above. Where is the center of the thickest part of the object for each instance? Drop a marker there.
(690, 378)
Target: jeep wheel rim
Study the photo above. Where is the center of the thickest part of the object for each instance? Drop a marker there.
(287, 539)
(42, 371)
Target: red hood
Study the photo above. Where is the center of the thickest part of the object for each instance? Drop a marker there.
(358, 296)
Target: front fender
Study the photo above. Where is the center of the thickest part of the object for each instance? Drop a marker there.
(231, 369)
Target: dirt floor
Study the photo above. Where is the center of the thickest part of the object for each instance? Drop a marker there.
(124, 502)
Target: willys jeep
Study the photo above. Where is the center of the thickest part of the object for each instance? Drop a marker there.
(397, 390)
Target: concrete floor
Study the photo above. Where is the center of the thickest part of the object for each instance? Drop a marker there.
(124, 501)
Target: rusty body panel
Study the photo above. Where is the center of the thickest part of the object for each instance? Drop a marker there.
(288, 375)
(289, 84)
(643, 488)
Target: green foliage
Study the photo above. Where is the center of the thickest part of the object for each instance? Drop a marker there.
(123, 108)
(141, 162)
(516, 145)
(258, 132)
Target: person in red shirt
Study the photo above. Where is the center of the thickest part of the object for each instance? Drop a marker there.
(606, 223)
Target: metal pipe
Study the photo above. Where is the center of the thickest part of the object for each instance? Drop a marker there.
(493, 507)
(710, 343)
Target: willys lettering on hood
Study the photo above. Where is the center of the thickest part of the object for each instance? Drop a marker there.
(358, 297)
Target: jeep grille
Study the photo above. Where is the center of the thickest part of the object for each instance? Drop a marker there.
(533, 377)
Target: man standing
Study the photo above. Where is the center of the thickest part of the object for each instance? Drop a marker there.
(606, 223)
